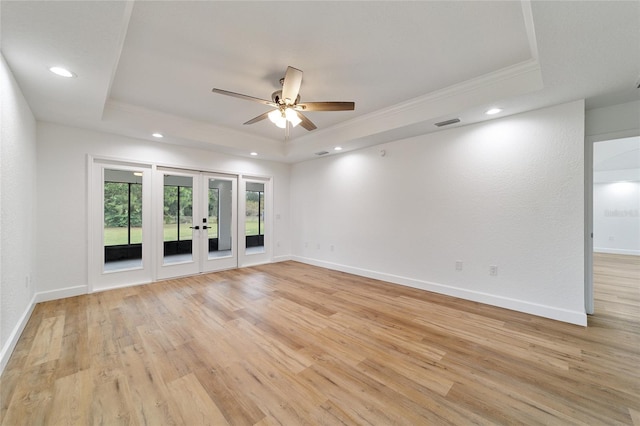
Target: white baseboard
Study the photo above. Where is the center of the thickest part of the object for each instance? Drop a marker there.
(277, 259)
(12, 341)
(45, 296)
(131, 284)
(616, 251)
(572, 317)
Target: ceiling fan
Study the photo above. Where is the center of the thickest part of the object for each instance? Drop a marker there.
(288, 109)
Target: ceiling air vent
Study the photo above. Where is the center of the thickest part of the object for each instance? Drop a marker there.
(448, 122)
(322, 153)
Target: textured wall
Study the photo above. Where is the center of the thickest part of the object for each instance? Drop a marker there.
(17, 209)
(508, 192)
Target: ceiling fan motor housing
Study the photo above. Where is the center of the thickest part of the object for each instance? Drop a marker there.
(277, 98)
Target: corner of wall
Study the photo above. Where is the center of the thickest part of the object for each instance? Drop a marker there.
(17, 211)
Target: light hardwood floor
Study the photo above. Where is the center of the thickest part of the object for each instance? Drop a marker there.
(293, 344)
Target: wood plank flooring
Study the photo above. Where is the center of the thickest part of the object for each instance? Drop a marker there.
(293, 344)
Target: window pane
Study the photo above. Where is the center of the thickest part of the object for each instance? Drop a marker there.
(170, 213)
(116, 213)
(252, 212)
(213, 212)
(186, 213)
(178, 211)
(261, 229)
(136, 213)
(254, 221)
(220, 218)
(122, 228)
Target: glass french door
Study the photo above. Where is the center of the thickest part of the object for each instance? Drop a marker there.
(219, 223)
(120, 227)
(197, 213)
(256, 225)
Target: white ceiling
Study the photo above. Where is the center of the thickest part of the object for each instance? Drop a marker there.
(149, 66)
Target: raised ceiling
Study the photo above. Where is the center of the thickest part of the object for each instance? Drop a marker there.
(150, 66)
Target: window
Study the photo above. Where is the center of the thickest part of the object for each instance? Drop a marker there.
(254, 222)
(214, 208)
(122, 213)
(178, 211)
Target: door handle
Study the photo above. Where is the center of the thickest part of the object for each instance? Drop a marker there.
(194, 227)
(205, 227)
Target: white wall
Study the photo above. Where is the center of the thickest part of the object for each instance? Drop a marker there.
(616, 217)
(17, 211)
(62, 193)
(508, 192)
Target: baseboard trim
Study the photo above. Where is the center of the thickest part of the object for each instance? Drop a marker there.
(571, 317)
(277, 259)
(12, 341)
(616, 251)
(45, 296)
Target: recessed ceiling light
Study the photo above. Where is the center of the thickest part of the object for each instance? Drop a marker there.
(254, 154)
(493, 111)
(337, 148)
(62, 72)
(157, 135)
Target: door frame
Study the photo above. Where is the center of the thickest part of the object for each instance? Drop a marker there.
(244, 259)
(98, 279)
(588, 211)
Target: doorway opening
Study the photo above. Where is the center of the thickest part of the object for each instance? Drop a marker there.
(616, 228)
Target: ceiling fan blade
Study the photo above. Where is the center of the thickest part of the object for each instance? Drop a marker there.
(258, 118)
(245, 97)
(306, 123)
(291, 85)
(326, 106)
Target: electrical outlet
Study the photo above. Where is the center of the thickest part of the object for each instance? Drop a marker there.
(493, 270)
(306, 245)
(318, 246)
(458, 265)
(331, 247)
(611, 238)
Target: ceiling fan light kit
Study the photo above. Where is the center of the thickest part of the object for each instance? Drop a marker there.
(292, 117)
(277, 118)
(287, 103)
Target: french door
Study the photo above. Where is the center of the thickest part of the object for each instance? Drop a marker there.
(255, 220)
(196, 215)
(119, 224)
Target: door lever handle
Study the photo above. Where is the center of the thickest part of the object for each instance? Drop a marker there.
(205, 227)
(194, 227)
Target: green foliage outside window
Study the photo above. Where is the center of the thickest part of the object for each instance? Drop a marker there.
(178, 208)
(254, 212)
(116, 204)
(122, 213)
